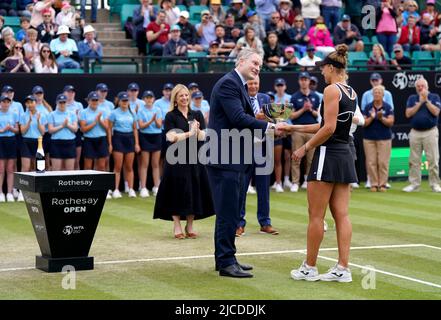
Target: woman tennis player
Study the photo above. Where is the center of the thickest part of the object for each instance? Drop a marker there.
(332, 169)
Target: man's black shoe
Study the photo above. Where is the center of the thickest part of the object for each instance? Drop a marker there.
(244, 267)
(234, 271)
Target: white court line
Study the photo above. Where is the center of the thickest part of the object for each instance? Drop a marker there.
(239, 254)
(431, 247)
(387, 273)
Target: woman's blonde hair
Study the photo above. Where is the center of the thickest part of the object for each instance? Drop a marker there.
(380, 87)
(178, 88)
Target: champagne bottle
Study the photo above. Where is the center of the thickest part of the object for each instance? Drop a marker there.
(39, 157)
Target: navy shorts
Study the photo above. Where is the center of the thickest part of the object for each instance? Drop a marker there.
(8, 147)
(78, 139)
(287, 143)
(278, 142)
(95, 148)
(28, 148)
(63, 149)
(47, 142)
(150, 141)
(123, 142)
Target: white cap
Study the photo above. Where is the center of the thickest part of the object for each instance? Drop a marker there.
(63, 30)
(185, 14)
(88, 29)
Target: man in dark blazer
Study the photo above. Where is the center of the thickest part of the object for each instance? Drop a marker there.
(230, 108)
(262, 180)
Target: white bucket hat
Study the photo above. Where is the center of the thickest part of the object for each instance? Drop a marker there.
(88, 29)
(63, 30)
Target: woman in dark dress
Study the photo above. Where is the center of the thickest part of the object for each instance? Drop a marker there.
(184, 192)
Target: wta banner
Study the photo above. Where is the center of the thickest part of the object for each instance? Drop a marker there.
(64, 208)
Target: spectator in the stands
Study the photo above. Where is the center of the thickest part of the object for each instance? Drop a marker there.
(47, 30)
(298, 35)
(77, 32)
(32, 46)
(401, 62)
(142, 16)
(348, 33)
(368, 96)
(217, 12)
(254, 21)
(94, 10)
(175, 47)
(206, 29)
(264, 9)
(2, 23)
(188, 32)
(289, 60)
(428, 30)
(310, 11)
(65, 50)
(249, 40)
(7, 42)
(89, 47)
(412, 10)
(272, 51)
(434, 14)
(377, 59)
(157, 34)
(24, 24)
(286, 11)
(331, 11)
(6, 8)
(66, 17)
(16, 61)
(46, 61)
(387, 27)
(410, 36)
(171, 12)
(233, 31)
(280, 27)
(225, 44)
(308, 61)
(38, 11)
(320, 37)
(239, 10)
(23, 7)
(354, 8)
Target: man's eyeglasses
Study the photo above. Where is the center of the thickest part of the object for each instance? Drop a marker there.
(18, 47)
(275, 18)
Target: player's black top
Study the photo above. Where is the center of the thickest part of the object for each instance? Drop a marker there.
(346, 109)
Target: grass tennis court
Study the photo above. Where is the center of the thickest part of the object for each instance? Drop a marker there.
(136, 257)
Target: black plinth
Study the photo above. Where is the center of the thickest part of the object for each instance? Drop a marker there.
(65, 208)
(57, 264)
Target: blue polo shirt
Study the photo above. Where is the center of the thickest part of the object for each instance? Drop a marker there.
(204, 108)
(164, 105)
(145, 114)
(137, 103)
(107, 106)
(89, 116)
(285, 99)
(298, 99)
(43, 111)
(16, 107)
(74, 107)
(56, 118)
(122, 120)
(377, 130)
(8, 117)
(33, 131)
(423, 119)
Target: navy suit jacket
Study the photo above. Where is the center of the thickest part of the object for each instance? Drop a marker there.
(263, 98)
(230, 108)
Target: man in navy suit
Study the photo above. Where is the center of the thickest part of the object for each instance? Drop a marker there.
(262, 180)
(231, 110)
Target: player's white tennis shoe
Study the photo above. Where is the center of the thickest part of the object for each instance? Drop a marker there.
(337, 273)
(305, 272)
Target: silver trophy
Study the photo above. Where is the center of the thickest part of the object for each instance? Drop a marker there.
(277, 112)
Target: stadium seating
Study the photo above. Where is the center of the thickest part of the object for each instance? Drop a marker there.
(126, 12)
(195, 12)
(13, 22)
(422, 60)
(78, 71)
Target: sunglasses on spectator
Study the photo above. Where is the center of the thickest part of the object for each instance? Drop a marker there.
(298, 20)
(18, 47)
(275, 18)
(45, 51)
(47, 16)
